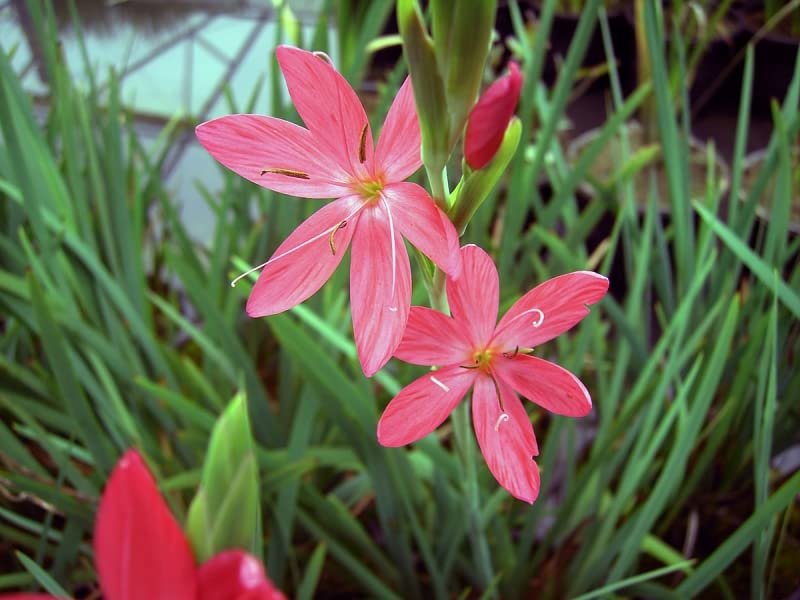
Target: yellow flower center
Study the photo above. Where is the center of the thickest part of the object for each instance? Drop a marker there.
(482, 359)
(370, 189)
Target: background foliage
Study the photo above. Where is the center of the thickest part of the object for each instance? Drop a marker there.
(117, 333)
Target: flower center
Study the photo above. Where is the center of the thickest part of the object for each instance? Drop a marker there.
(370, 189)
(482, 359)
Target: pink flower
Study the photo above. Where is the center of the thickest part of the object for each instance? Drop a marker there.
(474, 351)
(335, 158)
(141, 552)
(489, 118)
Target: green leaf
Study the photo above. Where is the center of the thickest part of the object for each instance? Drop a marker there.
(753, 261)
(47, 582)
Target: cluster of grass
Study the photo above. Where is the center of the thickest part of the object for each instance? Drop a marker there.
(115, 333)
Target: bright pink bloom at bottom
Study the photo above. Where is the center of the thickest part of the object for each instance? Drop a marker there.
(141, 551)
(474, 351)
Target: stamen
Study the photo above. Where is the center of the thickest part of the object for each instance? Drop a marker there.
(540, 320)
(510, 354)
(362, 145)
(501, 419)
(440, 384)
(330, 231)
(341, 225)
(287, 172)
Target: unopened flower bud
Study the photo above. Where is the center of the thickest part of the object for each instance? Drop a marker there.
(489, 118)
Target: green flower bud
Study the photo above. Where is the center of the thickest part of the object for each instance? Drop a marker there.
(226, 511)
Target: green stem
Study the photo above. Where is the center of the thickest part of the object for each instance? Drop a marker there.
(440, 189)
(465, 443)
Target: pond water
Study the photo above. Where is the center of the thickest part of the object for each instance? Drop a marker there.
(172, 57)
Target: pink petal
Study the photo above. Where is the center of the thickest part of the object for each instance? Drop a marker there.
(432, 338)
(474, 296)
(398, 152)
(545, 383)
(506, 438)
(380, 287)
(250, 144)
(235, 575)
(140, 550)
(423, 405)
(549, 309)
(424, 224)
(305, 261)
(329, 108)
(489, 118)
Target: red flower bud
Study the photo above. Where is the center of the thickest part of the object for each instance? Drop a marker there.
(489, 118)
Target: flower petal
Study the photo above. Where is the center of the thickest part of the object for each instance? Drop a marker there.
(489, 118)
(550, 386)
(506, 438)
(423, 405)
(432, 338)
(251, 144)
(398, 152)
(549, 309)
(235, 575)
(330, 109)
(380, 287)
(474, 296)
(424, 224)
(140, 550)
(306, 260)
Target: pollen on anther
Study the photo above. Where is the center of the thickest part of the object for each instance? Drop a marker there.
(362, 145)
(331, 242)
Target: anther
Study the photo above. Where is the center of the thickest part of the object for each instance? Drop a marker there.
(538, 322)
(341, 225)
(501, 419)
(440, 384)
(286, 172)
(511, 354)
(362, 145)
(323, 56)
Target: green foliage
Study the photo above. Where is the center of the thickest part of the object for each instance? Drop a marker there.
(226, 510)
(115, 333)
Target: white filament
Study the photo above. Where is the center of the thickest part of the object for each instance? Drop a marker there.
(394, 250)
(501, 419)
(327, 232)
(440, 384)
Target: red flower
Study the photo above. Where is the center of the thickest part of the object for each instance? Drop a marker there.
(474, 351)
(489, 118)
(141, 552)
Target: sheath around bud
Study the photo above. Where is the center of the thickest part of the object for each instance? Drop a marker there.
(489, 118)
